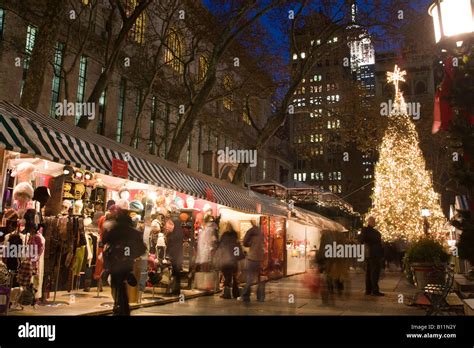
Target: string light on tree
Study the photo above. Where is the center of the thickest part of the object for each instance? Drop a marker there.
(403, 186)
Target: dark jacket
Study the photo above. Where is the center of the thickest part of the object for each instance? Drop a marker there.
(174, 244)
(373, 240)
(124, 245)
(254, 241)
(229, 250)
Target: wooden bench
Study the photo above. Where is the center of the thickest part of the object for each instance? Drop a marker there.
(439, 291)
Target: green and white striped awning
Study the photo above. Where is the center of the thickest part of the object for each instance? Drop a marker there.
(31, 133)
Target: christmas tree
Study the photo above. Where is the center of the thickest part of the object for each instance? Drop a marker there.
(403, 187)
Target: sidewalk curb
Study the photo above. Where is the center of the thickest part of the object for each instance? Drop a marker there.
(152, 303)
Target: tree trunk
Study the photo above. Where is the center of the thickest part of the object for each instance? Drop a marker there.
(105, 76)
(267, 133)
(43, 50)
(179, 142)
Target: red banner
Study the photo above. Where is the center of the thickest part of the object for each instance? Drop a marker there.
(119, 168)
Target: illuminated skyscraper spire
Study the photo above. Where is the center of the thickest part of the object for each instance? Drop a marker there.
(353, 11)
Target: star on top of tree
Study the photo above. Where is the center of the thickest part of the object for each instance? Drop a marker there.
(395, 77)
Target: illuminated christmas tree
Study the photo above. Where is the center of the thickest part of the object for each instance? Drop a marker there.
(403, 187)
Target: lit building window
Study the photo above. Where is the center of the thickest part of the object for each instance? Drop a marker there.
(121, 110)
(2, 21)
(203, 66)
(29, 44)
(137, 32)
(174, 51)
(228, 99)
(56, 84)
(246, 117)
(81, 83)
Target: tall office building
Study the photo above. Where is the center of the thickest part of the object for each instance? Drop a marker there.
(323, 159)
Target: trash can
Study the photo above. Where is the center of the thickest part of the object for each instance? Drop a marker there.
(4, 300)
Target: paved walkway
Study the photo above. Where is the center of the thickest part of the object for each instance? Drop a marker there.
(288, 296)
(87, 303)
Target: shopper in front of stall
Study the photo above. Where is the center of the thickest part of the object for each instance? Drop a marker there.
(227, 256)
(254, 241)
(206, 242)
(174, 250)
(124, 245)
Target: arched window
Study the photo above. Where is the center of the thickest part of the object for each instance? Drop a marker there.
(137, 32)
(174, 51)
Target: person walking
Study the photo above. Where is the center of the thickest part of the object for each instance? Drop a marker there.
(205, 244)
(372, 240)
(254, 241)
(174, 250)
(123, 245)
(228, 253)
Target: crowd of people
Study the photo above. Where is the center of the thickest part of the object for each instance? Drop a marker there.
(218, 249)
(333, 272)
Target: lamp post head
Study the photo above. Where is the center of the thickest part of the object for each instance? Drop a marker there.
(453, 21)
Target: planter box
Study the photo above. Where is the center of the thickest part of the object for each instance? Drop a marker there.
(423, 274)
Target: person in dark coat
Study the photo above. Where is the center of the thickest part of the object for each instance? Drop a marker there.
(228, 254)
(254, 241)
(124, 244)
(174, 250)
(372, 240)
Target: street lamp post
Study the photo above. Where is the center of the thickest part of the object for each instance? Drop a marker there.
(453, 23)
(425, 212)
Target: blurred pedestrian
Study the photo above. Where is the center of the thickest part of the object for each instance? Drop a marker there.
(206, 243)
(254, 241)
(123, 245)
(228, 253)
(372, 240)
(334, 267)
(174, 251)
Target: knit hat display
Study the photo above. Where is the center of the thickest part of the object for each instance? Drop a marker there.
(136, 206)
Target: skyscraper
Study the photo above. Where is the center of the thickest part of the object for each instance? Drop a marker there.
(317, 128)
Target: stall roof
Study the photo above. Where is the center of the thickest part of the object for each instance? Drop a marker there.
(314, 219)
(31, 133)
(28, 132)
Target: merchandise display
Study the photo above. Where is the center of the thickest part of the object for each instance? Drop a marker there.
(64, 213)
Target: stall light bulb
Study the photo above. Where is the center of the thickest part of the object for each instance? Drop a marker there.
(152, 195)
(459, 43)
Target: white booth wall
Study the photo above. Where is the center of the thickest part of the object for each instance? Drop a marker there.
(302, 242)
